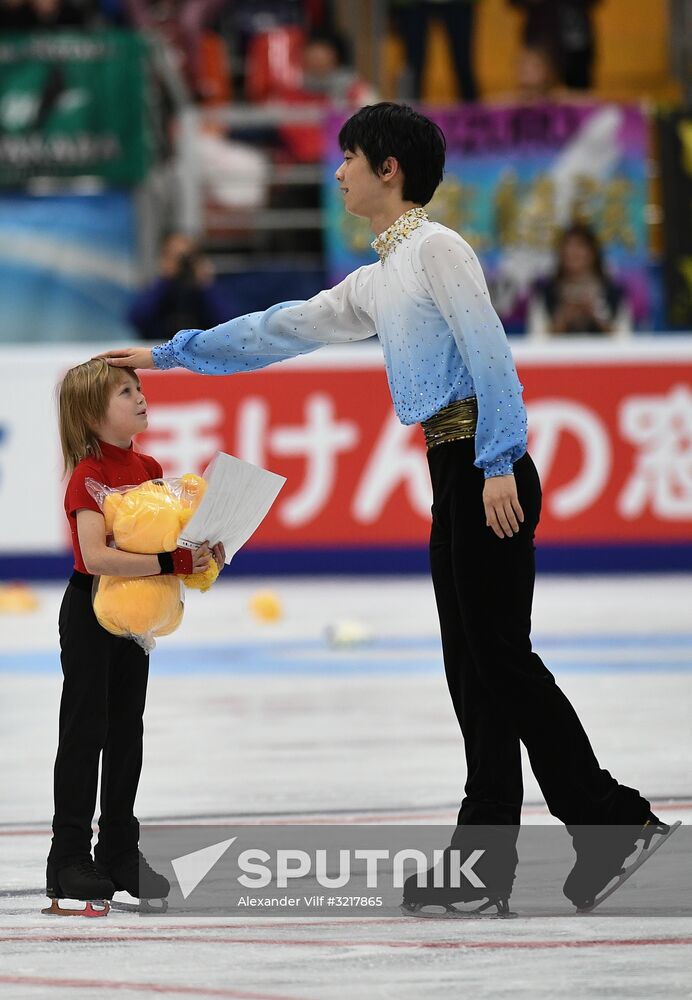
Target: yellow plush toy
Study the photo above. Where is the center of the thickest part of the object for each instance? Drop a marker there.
(148, 518)
(139, 606)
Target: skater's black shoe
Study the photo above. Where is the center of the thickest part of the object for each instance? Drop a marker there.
(601, 855)
(429, 900)
(463, 877)
(132, 873)
(79, 880)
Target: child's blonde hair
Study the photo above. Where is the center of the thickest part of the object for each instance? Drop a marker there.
(84, 395)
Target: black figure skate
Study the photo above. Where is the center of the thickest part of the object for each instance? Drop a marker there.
(132, 873)
(81, 881)
(600, 867)
(478, 867)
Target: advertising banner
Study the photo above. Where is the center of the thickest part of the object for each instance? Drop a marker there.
(516, 176)
(67, 266)
(73, 104)
(609, 430)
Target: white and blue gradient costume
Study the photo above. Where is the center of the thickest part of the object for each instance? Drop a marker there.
(428, 303)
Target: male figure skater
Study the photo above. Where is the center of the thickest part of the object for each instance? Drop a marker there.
(450, 368)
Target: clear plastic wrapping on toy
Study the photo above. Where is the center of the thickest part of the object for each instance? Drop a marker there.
(146, 519)
(142, 608)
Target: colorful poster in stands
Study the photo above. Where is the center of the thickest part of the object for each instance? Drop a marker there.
(675, 151)
(73, 104)
(515, 177)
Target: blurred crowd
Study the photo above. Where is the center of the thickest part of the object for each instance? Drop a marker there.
(293, 51)
(255, 49)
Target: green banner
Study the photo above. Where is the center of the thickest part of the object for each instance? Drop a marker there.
(74, 104)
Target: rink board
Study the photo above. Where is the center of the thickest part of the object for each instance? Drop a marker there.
(609, 429)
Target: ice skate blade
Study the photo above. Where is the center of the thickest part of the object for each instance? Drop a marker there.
(90, 909)
(147, 907)
(425, 911)
(642, 857)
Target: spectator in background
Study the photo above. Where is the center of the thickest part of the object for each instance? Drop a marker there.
(183, 24)
(247, 26)
(411, 19)
(564, 27)
(182, 297)
(328, 72)
(232, 175)
(537, 77)
(327, 78)
(579, 298)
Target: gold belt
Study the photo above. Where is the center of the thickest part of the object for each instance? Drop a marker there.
(454, 422)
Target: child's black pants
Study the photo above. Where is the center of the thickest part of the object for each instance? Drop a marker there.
(101, 709)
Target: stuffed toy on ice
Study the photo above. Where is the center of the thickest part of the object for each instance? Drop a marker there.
(147, 518)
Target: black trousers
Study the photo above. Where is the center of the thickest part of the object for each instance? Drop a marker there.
(101, 709)
(412, 21)
(502, 692)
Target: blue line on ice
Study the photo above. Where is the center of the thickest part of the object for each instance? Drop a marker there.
(396, 655)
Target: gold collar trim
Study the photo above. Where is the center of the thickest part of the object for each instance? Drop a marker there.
(400, 230)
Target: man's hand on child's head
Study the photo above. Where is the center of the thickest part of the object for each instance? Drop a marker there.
(129, 357)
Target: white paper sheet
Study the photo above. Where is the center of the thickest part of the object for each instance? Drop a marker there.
(238, 498)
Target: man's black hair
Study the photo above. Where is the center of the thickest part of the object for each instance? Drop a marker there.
(387, 129)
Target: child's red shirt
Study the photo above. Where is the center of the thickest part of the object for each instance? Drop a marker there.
(116, 467)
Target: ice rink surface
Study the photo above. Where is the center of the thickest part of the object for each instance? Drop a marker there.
(249, 722)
